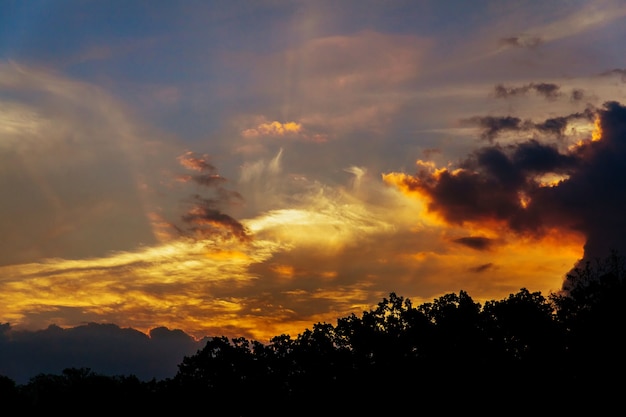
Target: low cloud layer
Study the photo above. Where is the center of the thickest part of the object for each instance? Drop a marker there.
(95, 346)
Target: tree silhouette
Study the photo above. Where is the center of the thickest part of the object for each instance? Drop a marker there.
(592, 312)
(8, 392)
(77, 390)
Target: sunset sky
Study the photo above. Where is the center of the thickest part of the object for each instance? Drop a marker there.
(250, 168)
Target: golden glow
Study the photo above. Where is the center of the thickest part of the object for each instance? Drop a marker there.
(596, 134)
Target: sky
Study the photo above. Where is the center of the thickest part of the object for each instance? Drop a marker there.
(171, 171)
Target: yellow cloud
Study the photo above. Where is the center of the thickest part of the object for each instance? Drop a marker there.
(274, 128)
(326, 228)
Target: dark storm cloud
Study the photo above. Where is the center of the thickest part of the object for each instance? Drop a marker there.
(496, 165)
(475, 242)
(490, 182)
(205, 217)
(467, 194)
(504, 183)
(595, 194)
(105, 348)
(548, 90)
(534, 157)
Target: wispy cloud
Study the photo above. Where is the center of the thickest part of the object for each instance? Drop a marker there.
(74, 166)
(548, 90)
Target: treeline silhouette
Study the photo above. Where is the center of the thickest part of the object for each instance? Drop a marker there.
(564, 353)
